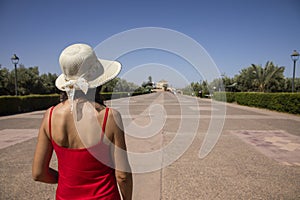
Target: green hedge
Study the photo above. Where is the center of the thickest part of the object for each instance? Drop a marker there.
(20, 104)
(116, 95)
(282, 102)
(224, 96)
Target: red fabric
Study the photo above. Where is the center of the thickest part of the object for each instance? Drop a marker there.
(81, 175)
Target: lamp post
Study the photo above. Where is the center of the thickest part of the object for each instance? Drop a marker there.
(295, 57)
(15, 61)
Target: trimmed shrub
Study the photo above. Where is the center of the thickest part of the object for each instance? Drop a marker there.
(113, 95)
(224, 96)
(282, 102)
(116, 95)
(20, 104)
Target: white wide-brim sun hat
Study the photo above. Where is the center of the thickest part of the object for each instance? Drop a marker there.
(79, 63)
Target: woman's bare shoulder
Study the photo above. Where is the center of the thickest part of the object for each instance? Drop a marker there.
(115, 118)
(45, 122)
(47, 114)
(114, 113)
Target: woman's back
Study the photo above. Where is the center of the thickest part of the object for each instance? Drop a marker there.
(80, 128)
(83, 157)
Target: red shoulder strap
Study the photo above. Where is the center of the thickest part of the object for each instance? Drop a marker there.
(104, 122)
(49, 123)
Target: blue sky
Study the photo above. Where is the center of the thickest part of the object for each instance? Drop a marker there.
(234, 33)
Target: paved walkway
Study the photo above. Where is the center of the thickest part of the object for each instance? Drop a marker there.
(256, 156)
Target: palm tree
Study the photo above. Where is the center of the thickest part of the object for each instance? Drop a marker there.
(245, 80)
(150, 79)
(265, 76)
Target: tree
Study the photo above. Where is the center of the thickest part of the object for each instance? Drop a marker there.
(196, 87)
(110, 85)
(204, 88)
(124, 86)
(48, 81)
(228, 83)
(148, 84)
(268, 78)
(245, 80)
(119, 85)
(5, 84)
(150, 79)
(256, 78)
(221, 84)
(29, 81)
(288, 85)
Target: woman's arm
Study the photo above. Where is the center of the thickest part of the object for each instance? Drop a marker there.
(43, 153)
(122, 167)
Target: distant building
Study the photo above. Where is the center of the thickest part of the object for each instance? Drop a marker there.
(162, 85)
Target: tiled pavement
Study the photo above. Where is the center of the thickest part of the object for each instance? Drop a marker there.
(277, 144)
(256, 157)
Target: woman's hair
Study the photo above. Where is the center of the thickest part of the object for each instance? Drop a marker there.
(93, 94)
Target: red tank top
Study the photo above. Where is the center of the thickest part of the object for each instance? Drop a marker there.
(81, 175)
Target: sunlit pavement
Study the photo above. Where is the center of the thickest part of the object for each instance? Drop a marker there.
(257, 155)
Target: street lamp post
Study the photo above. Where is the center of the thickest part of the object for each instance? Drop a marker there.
(295, 57)
(15, 61)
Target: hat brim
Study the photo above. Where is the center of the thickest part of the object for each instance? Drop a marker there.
(111, 69)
